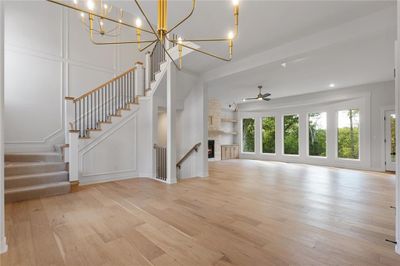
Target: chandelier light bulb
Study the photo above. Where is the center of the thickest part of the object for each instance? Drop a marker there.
(90, 5)
(82, 15)
(120, 20)
(105, 6)
(180, 40)
(75, 2)
(138, 23)
(235, 2)
(230, 35)
(101, 23)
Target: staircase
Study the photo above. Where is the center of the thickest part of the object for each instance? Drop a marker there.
(34, 175)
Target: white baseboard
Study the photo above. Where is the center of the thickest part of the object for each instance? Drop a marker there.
(103, 178)
(3, 245)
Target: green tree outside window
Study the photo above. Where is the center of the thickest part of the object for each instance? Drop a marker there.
(317, 134)
(268, 134)
(248, 131)
(348, 134)
(291, 134)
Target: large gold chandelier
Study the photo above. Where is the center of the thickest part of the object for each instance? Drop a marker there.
(95, 14)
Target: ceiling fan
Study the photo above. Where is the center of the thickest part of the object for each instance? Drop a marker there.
(260, 96)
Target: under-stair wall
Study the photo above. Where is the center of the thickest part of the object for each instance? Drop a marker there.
(48, 56)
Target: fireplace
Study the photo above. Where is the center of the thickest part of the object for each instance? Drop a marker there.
(211, 149)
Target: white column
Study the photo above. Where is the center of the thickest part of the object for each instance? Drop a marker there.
(171, 123)
(73, 157)
(203, 171)
(139, 80)
(147, 77)
(3, 244)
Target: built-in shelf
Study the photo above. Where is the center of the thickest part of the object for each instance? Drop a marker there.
(228, 120)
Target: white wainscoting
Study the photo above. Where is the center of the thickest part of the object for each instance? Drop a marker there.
(49, 56)
(112, 156)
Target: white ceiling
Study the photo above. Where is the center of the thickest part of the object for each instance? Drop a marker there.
(268, 25)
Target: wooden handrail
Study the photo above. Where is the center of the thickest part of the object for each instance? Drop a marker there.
(104, 84)
(194, 148)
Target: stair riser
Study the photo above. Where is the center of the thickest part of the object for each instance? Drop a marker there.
(33, 169)
(37, 193)
(35, 180)
(32, 158)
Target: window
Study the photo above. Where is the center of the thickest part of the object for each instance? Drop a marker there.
(248, 126)
(291, 134)
(317, 134)
(268, 134)
(348, 134)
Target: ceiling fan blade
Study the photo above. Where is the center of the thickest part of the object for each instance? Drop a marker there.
(248, 99)
(266, 95)
(267, 99)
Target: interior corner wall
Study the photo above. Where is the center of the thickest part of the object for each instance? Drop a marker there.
(48, 55)
(370, 99)
(192, 122)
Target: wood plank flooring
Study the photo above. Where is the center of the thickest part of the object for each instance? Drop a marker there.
(245, 213)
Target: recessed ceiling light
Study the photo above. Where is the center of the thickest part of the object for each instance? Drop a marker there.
(332, 85)
(283, 64)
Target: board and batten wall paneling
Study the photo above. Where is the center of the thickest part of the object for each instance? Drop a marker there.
(114, 154)
(48, 56)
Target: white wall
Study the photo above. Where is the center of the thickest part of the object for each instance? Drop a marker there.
(192, 129)
(48, 56)
(371, 99)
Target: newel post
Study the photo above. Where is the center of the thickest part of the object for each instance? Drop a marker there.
(147, 71)
(73, 137)
(69, 116)
(139, 79)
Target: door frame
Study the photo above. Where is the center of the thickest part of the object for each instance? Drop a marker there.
(388, 142)
(383, 111)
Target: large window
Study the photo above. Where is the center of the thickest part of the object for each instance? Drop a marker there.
(268, 135)
(348, 134)
(291, 134)
(248, 134)
(317, 134)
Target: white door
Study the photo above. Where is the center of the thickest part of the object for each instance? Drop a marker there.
(390, 140)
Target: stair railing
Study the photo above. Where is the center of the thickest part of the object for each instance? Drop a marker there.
(161, 162)
(195, 148)
(157, 57)
(100, 104)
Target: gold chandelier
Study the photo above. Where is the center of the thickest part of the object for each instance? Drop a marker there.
(97, 12)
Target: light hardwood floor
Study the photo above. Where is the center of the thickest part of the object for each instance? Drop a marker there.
(245, 213)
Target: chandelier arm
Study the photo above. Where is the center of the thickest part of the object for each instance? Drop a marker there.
(122, 42)
(96, 15)
(203, 52)
(207, 40)
(147, 46)
(186, 18)
(158, 38)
